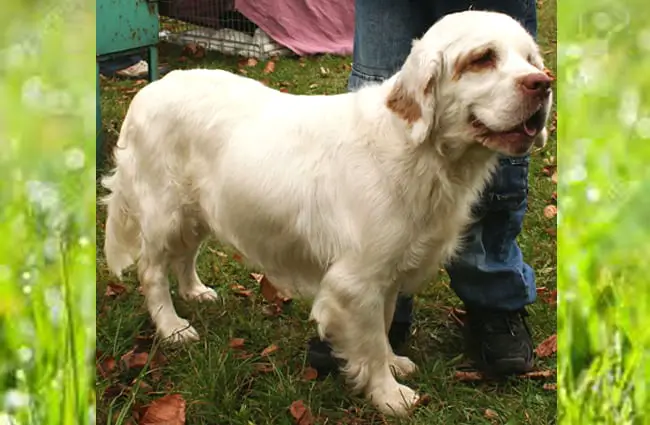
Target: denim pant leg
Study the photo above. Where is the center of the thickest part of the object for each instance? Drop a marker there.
(490, 272)
(383, 34)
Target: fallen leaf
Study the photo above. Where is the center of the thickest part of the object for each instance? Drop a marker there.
(301, 413)
(554, 177)
(468, 376)
(269, 68)
(167, 410)
(251, 62)
(554, 197)
(269, 350)
(243, 355)
(550, 387)
(264, 367)
(284, 90)
(237, 257)
(551, 231)
(309, 374)
(490, 414)
(195, 50)
(549, 73)
(257, 277)
(538, 374)
(550, 211)
(132, 359)
(324, 71)
(547, 347)
(106, 365)
(551, 298)
(142, 385)
(114, 289)
(241, 291)
(236, 343)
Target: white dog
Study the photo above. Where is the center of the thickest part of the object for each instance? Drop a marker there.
(346, 199)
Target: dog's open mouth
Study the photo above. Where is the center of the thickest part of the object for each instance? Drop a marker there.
(529, 128)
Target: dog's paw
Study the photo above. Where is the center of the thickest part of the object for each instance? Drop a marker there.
(402, 366)
(199, 293)
(395, 400)
(178, 332)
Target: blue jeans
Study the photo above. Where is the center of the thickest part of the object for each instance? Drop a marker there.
(490, 273)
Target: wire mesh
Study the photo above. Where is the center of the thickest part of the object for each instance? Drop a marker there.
(215, 25)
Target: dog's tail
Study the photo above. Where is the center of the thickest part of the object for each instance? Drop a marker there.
(122, 241)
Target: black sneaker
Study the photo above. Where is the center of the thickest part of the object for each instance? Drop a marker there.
(500, 341)
(319, 353)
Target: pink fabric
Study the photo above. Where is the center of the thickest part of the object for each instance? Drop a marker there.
(304, 26)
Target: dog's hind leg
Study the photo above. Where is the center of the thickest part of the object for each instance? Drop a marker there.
(349, 310)
(185, 250)
(158, 230)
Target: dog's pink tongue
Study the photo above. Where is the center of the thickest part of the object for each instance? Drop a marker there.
(529, 128)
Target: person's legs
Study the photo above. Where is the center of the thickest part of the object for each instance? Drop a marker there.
(383, 36)
(490, 275)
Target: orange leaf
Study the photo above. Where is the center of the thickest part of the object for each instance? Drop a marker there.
(268, 290)
(490, 414)
(241, 291)
(236, 343)
(251, 62)
(132, 359)
(106, 366)
(114, 289)
(550, 211)
(547, 347)
(270, 349)
(550, 387)
(538, 374)
(468, 376)
(269, 68)
(264, 367)
(301, 413)
(167, 410)
(309, 374)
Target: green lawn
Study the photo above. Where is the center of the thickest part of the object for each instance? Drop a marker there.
(224, 385)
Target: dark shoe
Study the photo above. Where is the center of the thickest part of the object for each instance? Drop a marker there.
(319, 353)
(500, 341)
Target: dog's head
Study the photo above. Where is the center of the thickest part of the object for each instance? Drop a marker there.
(474, 77)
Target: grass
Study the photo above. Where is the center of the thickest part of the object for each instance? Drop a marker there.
(603, 371)
(47, 213)
(220, 387)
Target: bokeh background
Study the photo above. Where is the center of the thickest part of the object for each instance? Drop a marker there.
(47, 212)
(604, 212)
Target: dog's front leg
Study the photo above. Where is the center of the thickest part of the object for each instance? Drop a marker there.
(401, 366)
(349, 310)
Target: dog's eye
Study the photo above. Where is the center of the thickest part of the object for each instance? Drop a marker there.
(486, 58)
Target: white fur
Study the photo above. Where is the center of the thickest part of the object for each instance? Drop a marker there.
(337, 198)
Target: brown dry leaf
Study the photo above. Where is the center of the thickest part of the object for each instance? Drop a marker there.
(114, 289)
(550, 211)
(241, 291)
(106, 366)
(547, 347)
(251, 62)
(538, 374)
(301, 413)
(309, 374)
(257, 277)
(551, 298)
(550, 387)
(237, 257)
(551, 231)
(264, 367)
(167, 410)
(236, 343)
(549, 73)
(490, 414)
(132, 359)
(468, 376)
(268, 290)
(269, 350)
(269, 67)
(284, 90)
(554, 177)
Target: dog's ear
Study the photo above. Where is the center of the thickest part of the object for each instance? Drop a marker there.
(412, 96)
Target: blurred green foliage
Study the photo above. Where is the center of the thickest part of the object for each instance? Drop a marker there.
(604, 198)
(47, 212)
